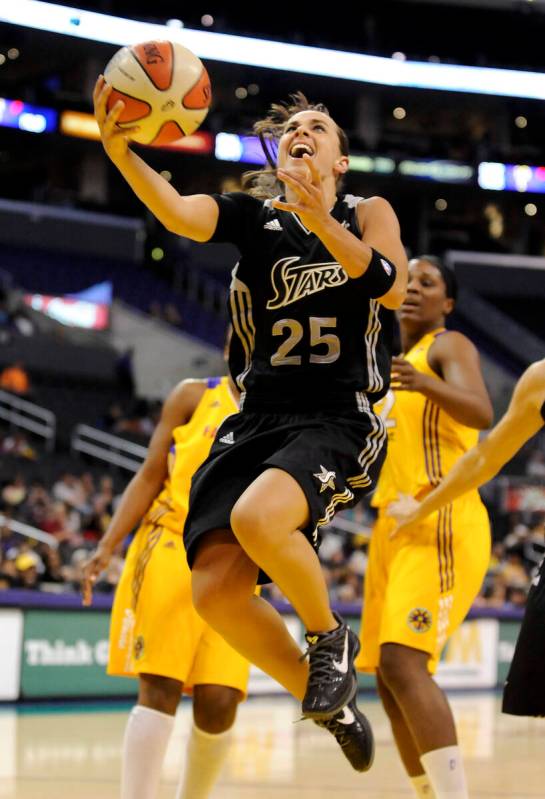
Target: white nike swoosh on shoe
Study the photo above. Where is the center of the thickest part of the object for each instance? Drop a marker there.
(348, 717)
(343, 665)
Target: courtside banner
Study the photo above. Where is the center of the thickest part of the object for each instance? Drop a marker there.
(470, 658)
(65, 654)
(11, 635)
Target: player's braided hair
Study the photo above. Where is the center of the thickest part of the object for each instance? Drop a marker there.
(263, 183)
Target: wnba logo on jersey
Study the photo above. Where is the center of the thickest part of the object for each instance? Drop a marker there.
(292, 283)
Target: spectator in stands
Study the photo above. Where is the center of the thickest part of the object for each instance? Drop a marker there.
(8, 572)
(512, 570)
(69, 489)
(14, 493)
(535, 466)
(113, 415)
(53, 567)
(17, 444)
(516, 599)
(27, 571)
(15, 379)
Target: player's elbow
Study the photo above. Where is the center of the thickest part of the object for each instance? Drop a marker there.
(483, 415)
(393, 299)
(152, 474)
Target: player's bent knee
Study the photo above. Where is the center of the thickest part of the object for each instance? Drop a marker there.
(159, 693)
(215, 707)
(207, 597)
(401, 665)
(251, 526)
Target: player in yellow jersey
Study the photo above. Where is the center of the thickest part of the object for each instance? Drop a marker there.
(155, 633)
(524, 692)
(418, 591)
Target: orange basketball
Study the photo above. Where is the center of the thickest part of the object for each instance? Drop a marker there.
(165, 88)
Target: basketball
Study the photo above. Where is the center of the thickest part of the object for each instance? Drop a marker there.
(165, 88)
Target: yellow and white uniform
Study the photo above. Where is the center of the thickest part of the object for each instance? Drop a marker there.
(154, 627)
(417, 592)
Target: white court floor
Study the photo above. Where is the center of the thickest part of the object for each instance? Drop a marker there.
(74, 751)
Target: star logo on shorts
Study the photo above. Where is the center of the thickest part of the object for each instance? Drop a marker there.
(326, 478)
(420, 620)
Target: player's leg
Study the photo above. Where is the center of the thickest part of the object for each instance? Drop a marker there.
(429, 718)
(267, 521)
(224, 580)
(405, 743)
(147, 734)
(214, 712)
(381, 551)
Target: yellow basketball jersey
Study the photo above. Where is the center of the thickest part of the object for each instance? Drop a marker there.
(424, 442)
(190, 447)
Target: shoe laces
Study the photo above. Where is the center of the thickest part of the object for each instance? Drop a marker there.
(339, 731)
(320, 656)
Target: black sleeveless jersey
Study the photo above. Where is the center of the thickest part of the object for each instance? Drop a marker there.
(305, 335)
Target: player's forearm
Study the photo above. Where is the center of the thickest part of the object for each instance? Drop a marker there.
(157, 194)
(468, 408)
(350, 252)
(134, 504)
(471, 471)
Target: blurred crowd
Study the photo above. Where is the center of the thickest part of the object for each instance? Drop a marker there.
(69, 517)
(136, 418)
(75, 510)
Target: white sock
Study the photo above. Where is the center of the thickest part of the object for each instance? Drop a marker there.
(422, 787)
(206, 754)
(146, 739)
(445, 770)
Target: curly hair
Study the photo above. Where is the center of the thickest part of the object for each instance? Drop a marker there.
(263, 183)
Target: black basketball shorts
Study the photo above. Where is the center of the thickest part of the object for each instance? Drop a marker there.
(335, 460)
(524, 690)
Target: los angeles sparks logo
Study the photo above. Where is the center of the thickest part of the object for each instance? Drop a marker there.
(292, 282)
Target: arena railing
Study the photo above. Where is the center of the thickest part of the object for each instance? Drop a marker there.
(106, 447)
(22, 413)
(28, 531)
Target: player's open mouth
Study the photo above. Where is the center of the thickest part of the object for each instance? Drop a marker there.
(411, 304)
(298, 149)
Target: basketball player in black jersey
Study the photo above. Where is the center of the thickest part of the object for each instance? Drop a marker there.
(310, 302)
(524, 692)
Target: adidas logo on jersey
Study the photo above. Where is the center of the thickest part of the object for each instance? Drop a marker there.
(228, 439)
(274, 224)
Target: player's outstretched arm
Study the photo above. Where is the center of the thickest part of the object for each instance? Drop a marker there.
(146, 483)
(521, 421)
(195, 216)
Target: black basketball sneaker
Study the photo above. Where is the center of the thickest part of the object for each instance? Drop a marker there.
(353, 733)
(332, 681)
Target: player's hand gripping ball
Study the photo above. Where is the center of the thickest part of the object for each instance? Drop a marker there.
(165, 90)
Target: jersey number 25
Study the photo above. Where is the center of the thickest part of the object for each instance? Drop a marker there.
(317, 324)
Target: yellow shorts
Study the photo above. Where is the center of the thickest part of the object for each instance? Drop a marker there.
(154, 627)
(417, 594)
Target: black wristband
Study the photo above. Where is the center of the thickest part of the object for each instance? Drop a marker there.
(380, 275)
